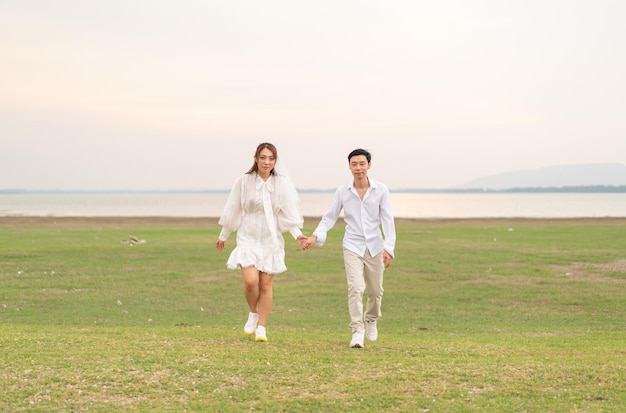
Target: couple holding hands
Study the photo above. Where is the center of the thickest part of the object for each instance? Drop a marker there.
(263, 204)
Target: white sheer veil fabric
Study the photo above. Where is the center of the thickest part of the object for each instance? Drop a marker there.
(280, 169)
(290, 200)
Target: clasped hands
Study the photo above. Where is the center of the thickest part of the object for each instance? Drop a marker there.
(306, 242)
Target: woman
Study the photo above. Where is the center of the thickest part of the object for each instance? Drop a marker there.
(262, 204)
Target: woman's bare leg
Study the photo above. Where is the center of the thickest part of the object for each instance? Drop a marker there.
(264, 303)
(251, 287)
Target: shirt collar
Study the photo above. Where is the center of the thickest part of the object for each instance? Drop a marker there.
(373, 184)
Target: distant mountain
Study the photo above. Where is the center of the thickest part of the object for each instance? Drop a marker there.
(611, 174)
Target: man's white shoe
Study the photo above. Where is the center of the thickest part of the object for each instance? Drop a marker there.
(250, 327)
(371, 331)
(261, 334)
(357, 339)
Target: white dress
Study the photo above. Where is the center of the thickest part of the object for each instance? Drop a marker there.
(260, 211)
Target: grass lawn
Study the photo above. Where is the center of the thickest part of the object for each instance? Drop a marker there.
(490, 315)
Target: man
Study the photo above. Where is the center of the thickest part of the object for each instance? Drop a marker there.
(367, 252)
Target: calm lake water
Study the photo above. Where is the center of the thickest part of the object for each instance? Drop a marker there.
(405, 205)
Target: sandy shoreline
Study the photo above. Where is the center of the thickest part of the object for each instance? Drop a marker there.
(212, 222)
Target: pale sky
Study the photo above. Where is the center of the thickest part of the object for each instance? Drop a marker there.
(154, 94)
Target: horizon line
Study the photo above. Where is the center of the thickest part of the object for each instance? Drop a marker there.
(567, 188)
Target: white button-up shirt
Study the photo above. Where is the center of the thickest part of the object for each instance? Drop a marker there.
(364, 219)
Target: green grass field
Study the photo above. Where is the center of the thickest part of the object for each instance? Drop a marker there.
(478, 316)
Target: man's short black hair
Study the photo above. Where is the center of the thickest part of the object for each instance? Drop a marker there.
(358, 152)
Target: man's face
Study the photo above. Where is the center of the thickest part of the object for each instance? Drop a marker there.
(359, 166)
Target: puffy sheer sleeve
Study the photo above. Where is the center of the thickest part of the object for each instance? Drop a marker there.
(289, 214)
(230, 220)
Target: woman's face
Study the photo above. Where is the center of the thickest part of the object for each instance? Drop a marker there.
(265, 162)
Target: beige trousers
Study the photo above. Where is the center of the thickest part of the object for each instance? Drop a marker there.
(363, 274)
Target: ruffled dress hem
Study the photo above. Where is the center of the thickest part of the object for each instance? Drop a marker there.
(243, 258)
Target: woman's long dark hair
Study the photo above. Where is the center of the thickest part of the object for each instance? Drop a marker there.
(264, 145)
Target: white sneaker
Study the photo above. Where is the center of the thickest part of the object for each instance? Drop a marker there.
(371, 332)
(357, 339)
(253, 319)
(261, 334)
